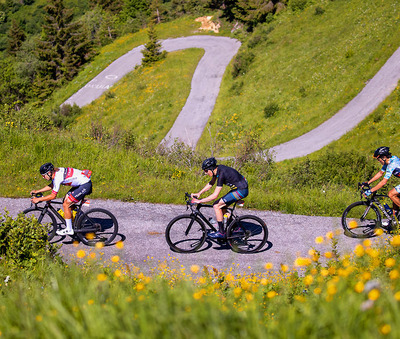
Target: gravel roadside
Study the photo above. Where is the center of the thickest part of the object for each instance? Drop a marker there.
(142, 227)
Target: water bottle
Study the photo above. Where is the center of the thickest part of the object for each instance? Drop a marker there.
(388, 209)
(226, 217)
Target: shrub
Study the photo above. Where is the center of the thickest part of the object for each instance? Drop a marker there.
(242, 62)
(271, 109)
(339, 168)
(24, 242)
(65, 115)
(319, 11)
(298, 5)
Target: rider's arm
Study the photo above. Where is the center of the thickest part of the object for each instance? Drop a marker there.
(212, 196)
(205, 188)
(376, 177)
(44, 189)
(382, 183)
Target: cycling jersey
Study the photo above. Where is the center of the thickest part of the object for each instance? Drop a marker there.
(392, 168)
(70, 177)
(230, 177)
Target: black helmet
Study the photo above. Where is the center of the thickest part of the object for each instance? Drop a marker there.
(383, 150)
(45, 168)
(209, 164)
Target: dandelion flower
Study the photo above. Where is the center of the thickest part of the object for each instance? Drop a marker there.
(195, 269)
(374, 294)
(353, 224)
(284, 268)
(359, 250)
(115, 258)
(268, 266)
(319, 240)
(359, 287)
(395, 241)
(394, 274)
(385, 329)
(99, 245)
(308, 279)
(302, 261)
(119, 245)
(397, 296)
(101, 277)
(271, 294)
(80, 254)
(329, 235)
(390, 262)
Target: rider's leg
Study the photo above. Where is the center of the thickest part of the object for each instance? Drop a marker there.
(218, 209)
(394, 195)
(68, 201)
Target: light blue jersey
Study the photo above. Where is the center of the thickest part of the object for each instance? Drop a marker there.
(392, 168)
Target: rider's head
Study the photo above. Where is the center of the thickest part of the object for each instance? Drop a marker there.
(382, 152)
(209, 164)
(48, 169)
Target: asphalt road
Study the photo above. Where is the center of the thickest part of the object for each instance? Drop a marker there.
(205, 87)
(142, 227)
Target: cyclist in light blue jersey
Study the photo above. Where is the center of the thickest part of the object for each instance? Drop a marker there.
(390, 166)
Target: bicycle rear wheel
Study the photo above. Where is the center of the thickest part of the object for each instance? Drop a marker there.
(359, 220)
(247, 234)
(46, 219)
(96, 225)
(185, 234)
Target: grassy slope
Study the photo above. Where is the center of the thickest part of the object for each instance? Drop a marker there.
(310, 65)
(129, 175)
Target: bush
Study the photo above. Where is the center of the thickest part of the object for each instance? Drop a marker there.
(339, 168)
(65, 115)
(271, 109)
(24, 242)
(242, 62)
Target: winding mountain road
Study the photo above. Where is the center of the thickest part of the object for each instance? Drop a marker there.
(206, 81)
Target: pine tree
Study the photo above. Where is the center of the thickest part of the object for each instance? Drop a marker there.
(15, 37)
(152, 51)
(62, 49)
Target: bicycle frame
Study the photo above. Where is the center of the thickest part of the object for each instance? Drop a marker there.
(195, 211)
(49, 206)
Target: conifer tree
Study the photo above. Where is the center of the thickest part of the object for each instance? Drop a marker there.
(152, 51)
(15, 37)
(62, 49)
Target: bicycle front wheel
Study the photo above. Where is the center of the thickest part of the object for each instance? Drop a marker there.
(359, 220)
(46, 219)
(247, 234)
(96, 225)
(185, 234)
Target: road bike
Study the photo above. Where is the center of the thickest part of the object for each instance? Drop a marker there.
(187, 233)
(362, 218)
(90, 226)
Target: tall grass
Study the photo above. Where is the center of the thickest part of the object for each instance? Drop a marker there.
(321, 295)
(307, 65)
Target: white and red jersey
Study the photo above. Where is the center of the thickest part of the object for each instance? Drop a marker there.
(70, 177)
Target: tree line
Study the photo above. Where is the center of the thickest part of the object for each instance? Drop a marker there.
(43, 44)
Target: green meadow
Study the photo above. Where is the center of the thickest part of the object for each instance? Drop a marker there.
(289, 76)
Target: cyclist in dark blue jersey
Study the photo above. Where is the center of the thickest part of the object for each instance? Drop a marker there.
(390, 166)
(222, 175)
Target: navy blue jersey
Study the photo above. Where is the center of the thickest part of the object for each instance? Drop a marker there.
(230, 177)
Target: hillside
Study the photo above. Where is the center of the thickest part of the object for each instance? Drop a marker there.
(294, 73)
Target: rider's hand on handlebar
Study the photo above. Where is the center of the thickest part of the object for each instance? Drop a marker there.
(195, 201)
(35, 200)
(367, 193)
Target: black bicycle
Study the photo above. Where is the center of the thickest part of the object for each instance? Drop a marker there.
(362, 218)
(90, 226)
(187, 233)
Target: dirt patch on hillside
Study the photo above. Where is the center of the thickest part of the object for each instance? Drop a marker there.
(207, 24)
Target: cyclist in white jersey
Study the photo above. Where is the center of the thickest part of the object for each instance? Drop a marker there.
(390, 166)
(80, 183)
